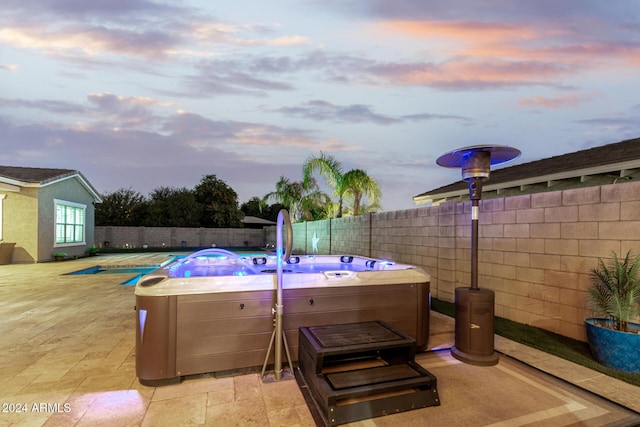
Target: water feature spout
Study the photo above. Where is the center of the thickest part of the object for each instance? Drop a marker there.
(283, 217)
(282, 255)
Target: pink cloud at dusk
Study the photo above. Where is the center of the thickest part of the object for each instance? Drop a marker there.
(558, 101)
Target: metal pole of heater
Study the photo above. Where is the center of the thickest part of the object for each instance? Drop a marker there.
(475, 210)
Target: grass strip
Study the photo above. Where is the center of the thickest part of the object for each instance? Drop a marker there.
(567, 348)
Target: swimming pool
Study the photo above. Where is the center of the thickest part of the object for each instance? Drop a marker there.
(137, 272)
(211, 312)
(99, 269)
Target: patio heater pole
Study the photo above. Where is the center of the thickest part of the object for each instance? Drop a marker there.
(474, 307)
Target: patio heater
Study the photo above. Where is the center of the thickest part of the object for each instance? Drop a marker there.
(474, 307)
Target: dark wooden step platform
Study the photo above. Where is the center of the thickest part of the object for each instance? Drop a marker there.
(355, 371)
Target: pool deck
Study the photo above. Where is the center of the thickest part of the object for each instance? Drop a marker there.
(67, 358)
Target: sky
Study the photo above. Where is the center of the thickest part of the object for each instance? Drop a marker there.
(143, 94)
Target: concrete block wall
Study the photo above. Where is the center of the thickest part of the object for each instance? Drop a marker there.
(535, 250)
(158, 237)
(352, 235)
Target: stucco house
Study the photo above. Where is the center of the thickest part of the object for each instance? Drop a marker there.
(45, 211)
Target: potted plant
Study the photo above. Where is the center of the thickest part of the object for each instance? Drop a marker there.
(92, 251)
(615, 294)
(59, 256)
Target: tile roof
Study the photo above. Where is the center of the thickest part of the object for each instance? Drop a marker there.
(34, 175)
(597, 158)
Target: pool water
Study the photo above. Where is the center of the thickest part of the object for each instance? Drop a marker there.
(138, 272)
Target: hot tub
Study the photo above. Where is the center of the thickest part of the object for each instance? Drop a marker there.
(213, 310)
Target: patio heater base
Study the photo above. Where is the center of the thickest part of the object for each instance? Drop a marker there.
(474, 327)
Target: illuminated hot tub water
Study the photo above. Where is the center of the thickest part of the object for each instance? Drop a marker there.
(212, 264)
(212, 310)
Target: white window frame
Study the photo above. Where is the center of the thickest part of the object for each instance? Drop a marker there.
(58, 202)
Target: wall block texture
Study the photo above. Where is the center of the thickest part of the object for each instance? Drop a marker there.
(535, 251)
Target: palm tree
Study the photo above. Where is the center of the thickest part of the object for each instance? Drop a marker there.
(358, 184)
(354, 184)
(304, 200)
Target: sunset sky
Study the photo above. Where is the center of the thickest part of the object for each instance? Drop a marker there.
(144, 94)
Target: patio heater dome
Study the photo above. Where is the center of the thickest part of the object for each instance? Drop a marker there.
(476, 160)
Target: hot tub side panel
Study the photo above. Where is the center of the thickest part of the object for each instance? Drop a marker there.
(396, 305)
(223, 331)
(424, 315)
(232, 330)
(155, 339)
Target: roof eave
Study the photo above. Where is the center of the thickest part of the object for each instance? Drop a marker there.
(621, 167)
(83, 181)
(8, 185)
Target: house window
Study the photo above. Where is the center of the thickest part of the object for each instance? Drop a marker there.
(70, 222)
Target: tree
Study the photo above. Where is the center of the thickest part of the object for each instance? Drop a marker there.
(303, 200)
(357, 184)
(219, 203)
(252, 207)
(173, 207)
(354, 184)
(123, 207)
(271, 212)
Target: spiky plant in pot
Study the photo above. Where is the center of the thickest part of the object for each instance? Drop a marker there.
(615, 290)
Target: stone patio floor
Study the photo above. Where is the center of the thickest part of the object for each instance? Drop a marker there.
(67, 358)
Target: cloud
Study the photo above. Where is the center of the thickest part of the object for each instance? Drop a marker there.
(79, 8)
(144, 121)
(468, 74)
(201, 133)
(325, 111)
(101, 110)
(9, 67)
(263, 74)
(320, 110)
(187, 147)
(493, 44)
(622, 125)
(467, 32)
(224, 77)
(48, 105)
(493, 48)
(73, 30)
(556, 101)
(550, 11)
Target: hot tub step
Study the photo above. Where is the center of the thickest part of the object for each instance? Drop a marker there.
(356, 371)
(371, 376)
(331, 407)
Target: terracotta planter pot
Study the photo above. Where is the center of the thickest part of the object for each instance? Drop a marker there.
(615, 349)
